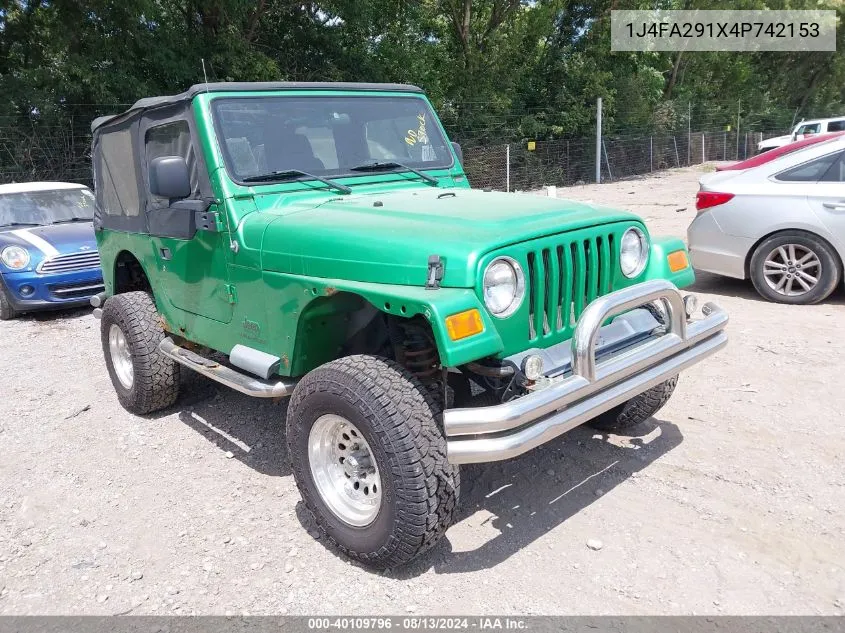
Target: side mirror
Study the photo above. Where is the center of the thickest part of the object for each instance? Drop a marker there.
(459, 152)
(169, 177)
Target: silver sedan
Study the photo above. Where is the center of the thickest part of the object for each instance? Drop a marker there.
(781, 224)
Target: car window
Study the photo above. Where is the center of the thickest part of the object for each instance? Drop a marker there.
(836, 172)
(401, 138)
(809, 128)
(811, 171)
(46, 207)
(327, 135)
(836, 126)
(117, 189)
(170, 139)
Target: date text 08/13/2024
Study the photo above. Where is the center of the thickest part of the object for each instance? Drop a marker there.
(414, 623)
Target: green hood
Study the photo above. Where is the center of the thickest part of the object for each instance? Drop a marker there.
(388, 237)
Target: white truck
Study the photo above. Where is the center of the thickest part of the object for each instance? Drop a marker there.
(803, 130)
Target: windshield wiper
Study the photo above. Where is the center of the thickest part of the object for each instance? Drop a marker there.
(22, 224)
(289, 174)
(393, 165)
(71, 220)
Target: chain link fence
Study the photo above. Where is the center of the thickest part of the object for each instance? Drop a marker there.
(532, 165)
(49, 146)
(59, 148)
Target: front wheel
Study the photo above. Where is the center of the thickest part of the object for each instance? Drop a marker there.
(794, 267)
(370, 460)
(638, 409)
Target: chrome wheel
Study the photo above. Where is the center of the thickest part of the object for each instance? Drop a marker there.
(792, 270)
(121, 357)
(344, 470)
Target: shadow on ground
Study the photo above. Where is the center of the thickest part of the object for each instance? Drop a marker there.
(743, 289)
(54, 316)
(251, 429)
(527, 497)
(522, 499)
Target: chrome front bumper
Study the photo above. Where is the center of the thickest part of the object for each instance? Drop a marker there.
(487, 434)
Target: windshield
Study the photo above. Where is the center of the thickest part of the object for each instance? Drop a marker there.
(46, 207)
(327, 136)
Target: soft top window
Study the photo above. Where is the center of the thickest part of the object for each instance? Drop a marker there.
(115, 169)
(171, 139)
(168, 139)
(327, 135)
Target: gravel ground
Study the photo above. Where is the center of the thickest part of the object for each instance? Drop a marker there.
(730, 501)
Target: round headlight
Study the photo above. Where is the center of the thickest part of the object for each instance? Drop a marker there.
(503, 286)
(15, 257)
(633, 254)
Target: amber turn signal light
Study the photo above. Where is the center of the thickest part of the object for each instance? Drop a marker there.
(464, 324)
(677, 261)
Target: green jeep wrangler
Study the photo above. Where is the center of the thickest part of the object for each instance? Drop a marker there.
(320, 241)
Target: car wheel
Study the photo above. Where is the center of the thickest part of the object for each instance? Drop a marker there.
(794, 267)
(638, 409)
(370, 460)
(7, 312)
(145, 379)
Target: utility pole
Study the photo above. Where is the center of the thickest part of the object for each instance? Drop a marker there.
(738, 114)
(689, 132)
(651, 153)
(598, 140)
(508, 167)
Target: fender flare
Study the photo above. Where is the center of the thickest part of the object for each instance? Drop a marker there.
(409, 301)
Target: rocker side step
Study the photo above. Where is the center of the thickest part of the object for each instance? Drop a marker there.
(249, 385)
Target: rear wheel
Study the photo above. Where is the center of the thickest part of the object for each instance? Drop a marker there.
(638, 409)
(145, 379)
(370, 461)
(7, 312)
(794, 267)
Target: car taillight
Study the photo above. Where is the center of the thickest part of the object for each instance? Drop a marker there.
(706, 199)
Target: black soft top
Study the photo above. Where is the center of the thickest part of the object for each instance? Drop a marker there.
(249, 86)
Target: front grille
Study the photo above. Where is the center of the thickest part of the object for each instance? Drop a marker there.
(563, 278)
(77, 290)
(70, 263)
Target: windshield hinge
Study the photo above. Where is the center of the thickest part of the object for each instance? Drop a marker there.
(435, 272)
(207, 221)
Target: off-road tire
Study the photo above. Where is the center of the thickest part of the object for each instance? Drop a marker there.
(156, 381)
(399, 420)
(638, 409)
(7, 312)
(830, 267)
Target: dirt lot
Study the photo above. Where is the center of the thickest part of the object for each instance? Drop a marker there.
(731, 501)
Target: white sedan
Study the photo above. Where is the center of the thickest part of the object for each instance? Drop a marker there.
(781, 224)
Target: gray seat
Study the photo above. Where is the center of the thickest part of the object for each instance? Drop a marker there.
(288, 150)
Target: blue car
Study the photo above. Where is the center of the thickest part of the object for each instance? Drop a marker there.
(48, 255)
